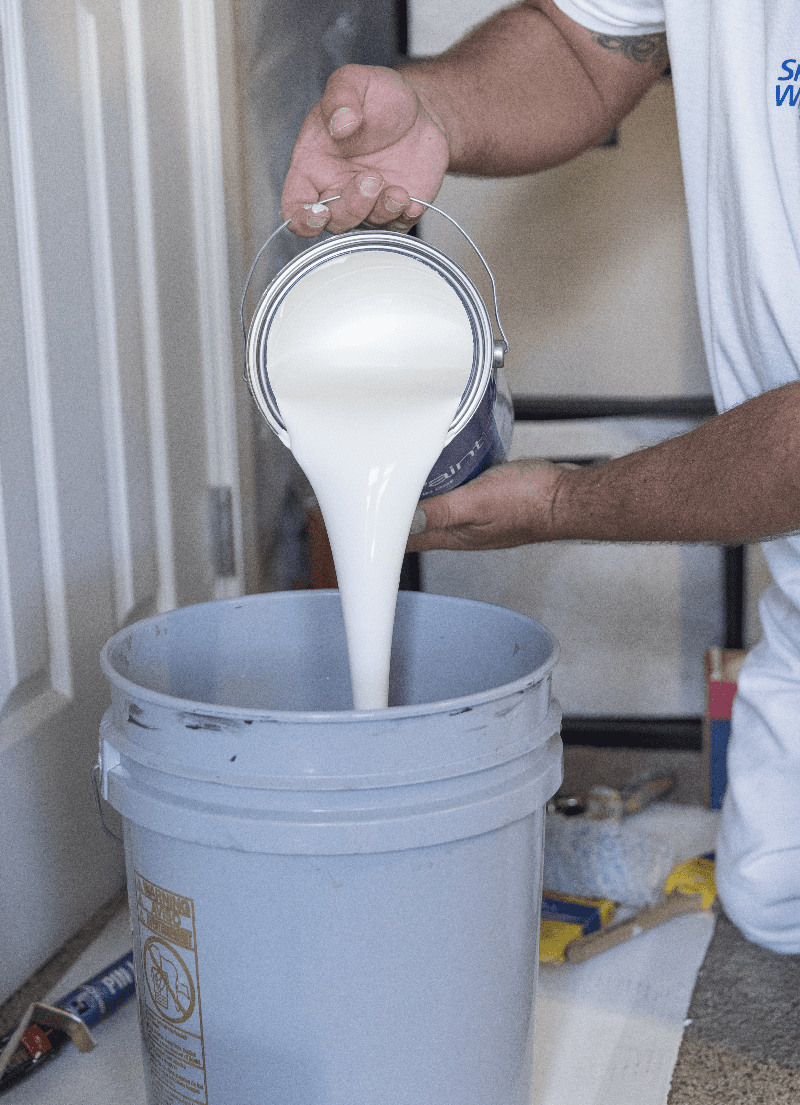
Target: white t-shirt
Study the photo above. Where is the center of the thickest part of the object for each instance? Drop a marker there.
(736, 71)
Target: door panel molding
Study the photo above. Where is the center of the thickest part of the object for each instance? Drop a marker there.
(114, 245)
(36, 351)
(106, 314)
(138, 124)
(208, 200)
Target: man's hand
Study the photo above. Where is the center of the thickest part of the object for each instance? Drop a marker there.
(371, 141)
(732, 480)
(528, 89)
(510, 504)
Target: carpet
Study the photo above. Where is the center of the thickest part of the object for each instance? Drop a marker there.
(742, 1045)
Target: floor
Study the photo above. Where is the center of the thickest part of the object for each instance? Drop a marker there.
(742, 1046)
(606, 1030)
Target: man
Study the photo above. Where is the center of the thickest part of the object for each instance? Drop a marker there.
(534, 86)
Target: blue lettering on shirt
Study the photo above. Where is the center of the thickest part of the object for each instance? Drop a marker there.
(787, 93)
(781, 94)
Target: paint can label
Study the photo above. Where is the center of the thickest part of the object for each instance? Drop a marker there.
(484, 441)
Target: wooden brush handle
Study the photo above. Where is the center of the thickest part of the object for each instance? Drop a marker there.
(648, 918)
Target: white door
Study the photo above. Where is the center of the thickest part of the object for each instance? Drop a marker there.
(122, 415)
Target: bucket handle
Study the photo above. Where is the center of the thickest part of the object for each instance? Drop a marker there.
(96, 789)
(430, 207)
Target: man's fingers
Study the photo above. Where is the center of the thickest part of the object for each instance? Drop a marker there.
(391, 209)
(344, 122)
(357, 199)
(437, 513)
(418, 522)
(354, 203)
(437, 520)
(366, 108)
(308, 218)
(508, 505)
(369, 142)
(342, 103)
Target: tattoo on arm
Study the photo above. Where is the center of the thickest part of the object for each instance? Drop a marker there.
(646, 49)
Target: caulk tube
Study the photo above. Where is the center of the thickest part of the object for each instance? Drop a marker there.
(102, 994)
(91, 1001)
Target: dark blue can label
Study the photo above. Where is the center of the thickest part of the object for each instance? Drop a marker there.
(484, 441)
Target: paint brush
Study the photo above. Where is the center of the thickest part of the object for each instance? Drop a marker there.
(690, 888)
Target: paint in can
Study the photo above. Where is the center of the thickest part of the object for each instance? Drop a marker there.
(480, 433)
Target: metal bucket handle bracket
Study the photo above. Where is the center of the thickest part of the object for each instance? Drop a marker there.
(430, 206)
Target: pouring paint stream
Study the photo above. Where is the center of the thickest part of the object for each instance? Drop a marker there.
(369, 355)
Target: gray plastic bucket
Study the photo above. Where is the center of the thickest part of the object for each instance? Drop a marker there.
(332, 907)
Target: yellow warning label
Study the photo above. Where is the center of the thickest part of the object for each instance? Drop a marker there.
(169, 994)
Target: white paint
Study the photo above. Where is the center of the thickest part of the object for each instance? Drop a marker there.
(368, 357)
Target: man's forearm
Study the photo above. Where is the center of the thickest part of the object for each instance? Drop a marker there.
(530, 89)
(734, 479)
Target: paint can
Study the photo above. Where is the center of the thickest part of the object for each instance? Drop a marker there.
(333, 906)
(481, 430)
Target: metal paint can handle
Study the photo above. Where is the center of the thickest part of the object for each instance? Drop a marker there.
(430, 207)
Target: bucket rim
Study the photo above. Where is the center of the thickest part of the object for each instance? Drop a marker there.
(323, 717)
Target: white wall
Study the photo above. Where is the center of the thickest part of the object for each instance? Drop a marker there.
(591, 259)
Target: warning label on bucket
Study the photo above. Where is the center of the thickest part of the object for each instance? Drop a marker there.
(170, 994)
